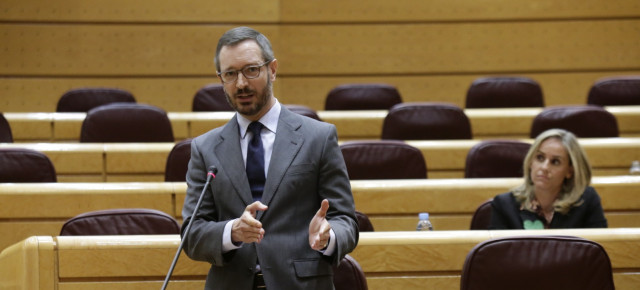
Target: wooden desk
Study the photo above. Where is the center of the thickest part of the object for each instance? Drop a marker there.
(393, 205)
(42, 208)
(485, 123)
(608, 156)
(99, 162)
(390, 260)
(120, 162)
(351, 125)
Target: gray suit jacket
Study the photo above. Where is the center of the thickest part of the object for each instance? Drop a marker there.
(306, 167)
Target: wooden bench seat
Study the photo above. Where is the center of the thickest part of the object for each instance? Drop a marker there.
(390, 260)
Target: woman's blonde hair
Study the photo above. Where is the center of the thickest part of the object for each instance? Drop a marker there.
(572, 188)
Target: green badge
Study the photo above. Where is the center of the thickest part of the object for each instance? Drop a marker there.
(533, 225)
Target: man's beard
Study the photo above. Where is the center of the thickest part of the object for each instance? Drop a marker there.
(260, 103)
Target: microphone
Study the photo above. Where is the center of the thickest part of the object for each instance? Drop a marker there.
(211, 174)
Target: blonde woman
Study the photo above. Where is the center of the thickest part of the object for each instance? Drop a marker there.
(555, 192)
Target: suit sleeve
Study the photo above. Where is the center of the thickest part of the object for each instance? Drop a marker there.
(500, 212)
(595, 214)
(335, 186)
(204, 240)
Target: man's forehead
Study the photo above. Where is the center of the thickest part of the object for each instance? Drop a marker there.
(240, 54)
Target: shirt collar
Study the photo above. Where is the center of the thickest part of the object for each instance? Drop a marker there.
(269, 120)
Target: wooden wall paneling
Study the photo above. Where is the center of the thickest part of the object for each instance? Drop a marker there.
(144, 11)
(443, 11)
(194, 11)
(447, 48)
(41, 94)
(111, 50)
(163, 51)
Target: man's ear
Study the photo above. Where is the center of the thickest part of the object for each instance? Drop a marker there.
(273, 67)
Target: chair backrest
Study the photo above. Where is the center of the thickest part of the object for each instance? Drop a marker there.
(383, 159)
(348, 275)
(481, 218)
(85, 99)
(426, 121)
(364, 224)
(178, 161)
(615, 91)
(126, 122)
(211, 98)
(584, 121)
(504, 92)
(496, 158)
(5, 130)
(362, 97)
(303, 110)
(25, 165)
(130, 221)
(537, 262)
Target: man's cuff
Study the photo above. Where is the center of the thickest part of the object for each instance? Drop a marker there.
(331, 247)
(227, 244)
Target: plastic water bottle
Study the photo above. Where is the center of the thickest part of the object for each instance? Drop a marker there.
(424, 224)
(635, 168)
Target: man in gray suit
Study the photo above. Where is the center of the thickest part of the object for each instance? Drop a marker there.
(285, 219)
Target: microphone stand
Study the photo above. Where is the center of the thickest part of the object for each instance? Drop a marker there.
(211, 173)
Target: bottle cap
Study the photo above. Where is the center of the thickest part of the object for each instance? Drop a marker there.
(423, 216)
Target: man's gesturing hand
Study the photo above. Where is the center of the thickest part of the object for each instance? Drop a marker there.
(247, 228)
(319, 228)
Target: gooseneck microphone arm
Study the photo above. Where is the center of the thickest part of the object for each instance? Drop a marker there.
(211, 174)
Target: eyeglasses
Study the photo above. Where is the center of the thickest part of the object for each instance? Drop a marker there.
(249, 72)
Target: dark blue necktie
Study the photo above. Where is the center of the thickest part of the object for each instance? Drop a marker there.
(255, 161)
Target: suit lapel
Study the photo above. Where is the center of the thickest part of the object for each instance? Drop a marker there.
(228, 151)
(285, 147)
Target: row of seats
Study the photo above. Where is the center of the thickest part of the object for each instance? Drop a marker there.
(572, 257)
(375, 147)
(433, 121)
(374, 159)
(486, 92)
(128, 122)
(510, 92)
(491, 260)
(419, 121)
(132, 122)
(348, 274)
